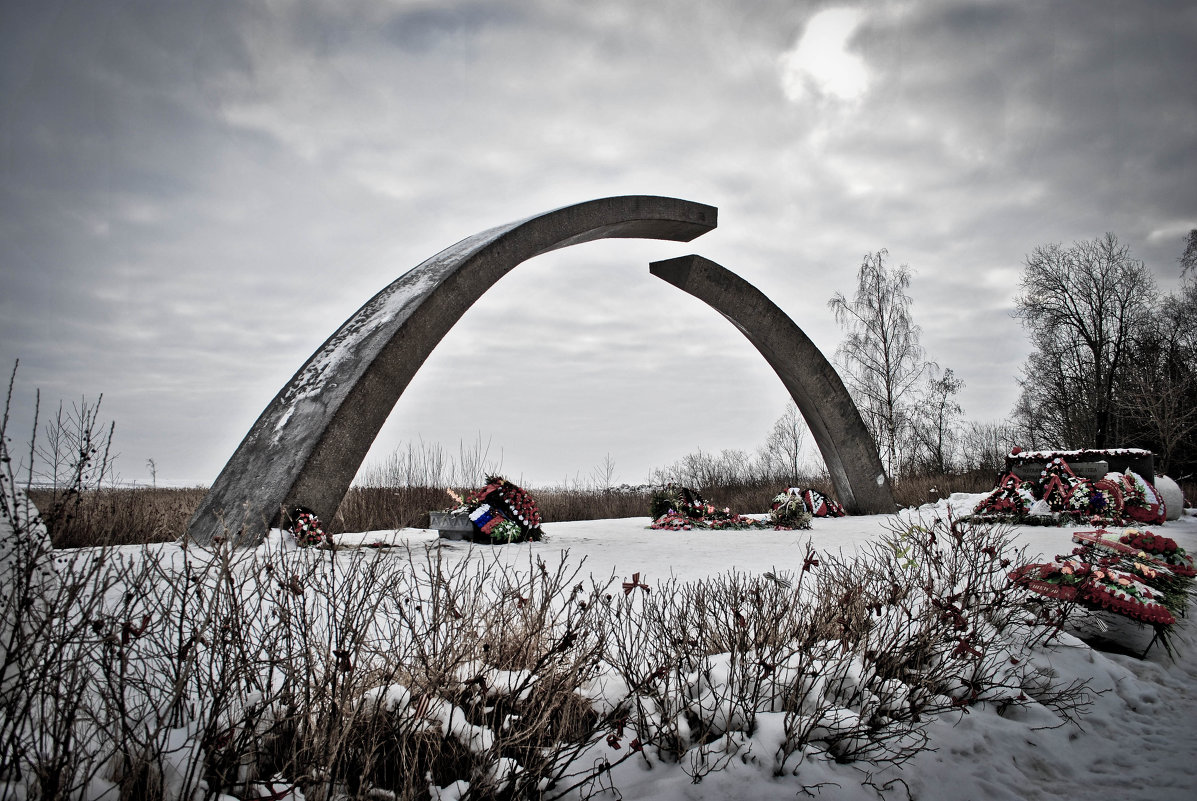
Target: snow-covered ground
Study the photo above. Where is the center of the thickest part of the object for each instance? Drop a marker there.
(1138, 739)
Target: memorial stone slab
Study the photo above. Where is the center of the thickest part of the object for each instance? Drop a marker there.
(1118, 460)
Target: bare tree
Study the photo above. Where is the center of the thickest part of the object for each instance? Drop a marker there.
(1082, 306)
(1188, 259)
(1158, 398)
(881, 355)
(66, 437)
(783, 448)
(704, 470)
(936, 422)
(1047, 407)
(984, 445)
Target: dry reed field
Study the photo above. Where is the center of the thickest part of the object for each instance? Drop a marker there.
(142, 515)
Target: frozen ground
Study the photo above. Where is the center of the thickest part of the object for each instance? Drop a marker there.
(1137, 741)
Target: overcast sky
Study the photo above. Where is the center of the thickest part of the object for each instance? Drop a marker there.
(194, 195)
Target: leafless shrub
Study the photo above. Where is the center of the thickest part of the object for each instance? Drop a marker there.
(856, 654)
(43, 613)
(357, 672)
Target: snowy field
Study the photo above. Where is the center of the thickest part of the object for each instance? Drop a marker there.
(1138, 739)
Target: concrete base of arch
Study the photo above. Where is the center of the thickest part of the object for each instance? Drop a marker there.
(834, 421)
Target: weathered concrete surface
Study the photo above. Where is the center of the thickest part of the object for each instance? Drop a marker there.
(308, 444)
(846, 445)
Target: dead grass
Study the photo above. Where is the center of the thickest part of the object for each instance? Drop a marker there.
(383, 508)
(118, 516)
(136, 516)
(918, 490)
(143, 515)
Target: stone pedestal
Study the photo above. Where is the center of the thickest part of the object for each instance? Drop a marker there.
(452, 526)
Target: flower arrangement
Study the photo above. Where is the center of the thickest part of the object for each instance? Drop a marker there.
(1140, 500)
(1141, 545)
(1116, 499)
(1165, 548)
(1146, 541)
(1057, 483)
(675, 521)
(1012, 497)
(680, 500)
(1111, 490)
(515, 501)
(678, 508)
(821, 505)
(502, 512)
(1120, 593)
(672, 521)
(307, 529)
(506, 531)
(1100, 502)
(789, 510)
(1096, 587)
(1106, 541)
(1161, 564)
(1126, 574)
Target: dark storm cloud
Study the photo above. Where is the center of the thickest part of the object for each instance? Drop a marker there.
(427, 28)
(1084, 102)
(196, 194)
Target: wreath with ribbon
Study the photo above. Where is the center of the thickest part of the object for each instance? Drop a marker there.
(1157, 561)
(1141, 501)
(1164, 549)
(1012, 497)
(821, 505)
(503, 512)
(1057, 483)
(790, 510)
(1096, 587)
(1116, 499)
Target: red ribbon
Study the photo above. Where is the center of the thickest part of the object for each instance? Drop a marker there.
(628, 586)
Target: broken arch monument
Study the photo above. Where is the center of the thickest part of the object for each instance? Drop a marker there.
(308, 444)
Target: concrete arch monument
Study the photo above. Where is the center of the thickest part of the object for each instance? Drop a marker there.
(840, 433)
(308, 444)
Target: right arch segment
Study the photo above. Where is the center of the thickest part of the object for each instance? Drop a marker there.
(846, 445)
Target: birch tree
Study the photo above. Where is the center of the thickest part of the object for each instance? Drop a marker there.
(783, 449)
(936, 422)
(880, 355)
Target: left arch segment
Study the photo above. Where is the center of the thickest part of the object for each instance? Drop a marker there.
(308, 444)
